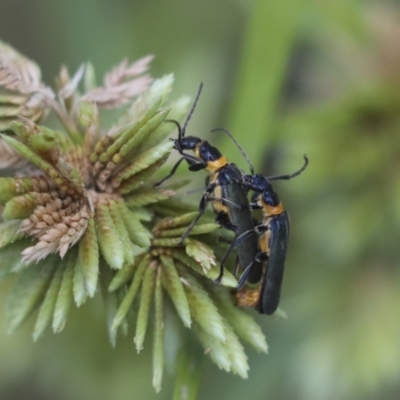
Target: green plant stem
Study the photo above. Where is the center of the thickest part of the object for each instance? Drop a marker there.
(67, 123)
(267, 47)
(189, 371)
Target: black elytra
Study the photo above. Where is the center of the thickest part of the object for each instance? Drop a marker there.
(273, 238)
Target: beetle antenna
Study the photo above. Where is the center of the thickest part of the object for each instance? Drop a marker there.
(178, 125)
(290, 176)
(238, 146)
(183, 130)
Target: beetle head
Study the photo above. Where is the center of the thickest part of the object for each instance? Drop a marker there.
(186, 143)
(255, 182)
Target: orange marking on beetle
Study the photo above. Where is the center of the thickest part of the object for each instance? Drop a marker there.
(247, 297)
(213, 166)
(218, 206)
(269, 210)
(263, 242)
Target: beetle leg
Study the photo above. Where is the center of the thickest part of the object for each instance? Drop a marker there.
(244, 276)
(262, 228)
(173, 170)
(202, 207)
(195, 165)
(259, 257)
(255, 206)
(192, 160)
(237, 265)
(226, 201)
(244, 236)
(240, 239)
(223, 220)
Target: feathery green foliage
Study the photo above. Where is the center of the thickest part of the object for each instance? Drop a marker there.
(85, 216)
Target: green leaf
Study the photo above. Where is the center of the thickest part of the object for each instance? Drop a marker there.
(146, 196)
(120, 293)
(150, 100)
(131, 293)
(15, 99)
(118, 220)
(109, 238)
(144, 305)
(227, 280)
(65, 294)
(168, 242)
(9, 232)
(178, 111)
(138, 234)
(185, 260)
(24, 129)
(179, 184)
(174, 287)
(20, 207)
(110, 301)
(174, 207)
(68, 170)
(9, 111)
(89, 257)
(47, 307)
(5, 124)
(202, 253)
(25, 152)
(174, 222)
(243, 324)
(142, 214)
(179, 206)
(145, 160)
(203, 309)
(79, 284)
(124, 275)
(235, 352)
(158, 339)
(89, 77)
(140, 178)
(141, 134)
(29, 290)
(199, 229)
(160, 89)
(215, 348)
(121, 137)
(43, 142)
(87, 113)
(11, 259)
(11, 187)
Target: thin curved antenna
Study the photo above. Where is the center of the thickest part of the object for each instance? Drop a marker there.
(174, 121)
(290, 176)
(238, 146)
(183, 130)
(177, 143)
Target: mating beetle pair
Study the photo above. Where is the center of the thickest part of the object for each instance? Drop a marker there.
(256, 244)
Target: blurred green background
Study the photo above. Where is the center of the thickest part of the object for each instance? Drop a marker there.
(289, 78)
